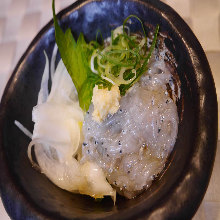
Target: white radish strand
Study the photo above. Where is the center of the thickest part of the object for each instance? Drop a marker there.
(23, 129)
(43, 93)
(53, 60)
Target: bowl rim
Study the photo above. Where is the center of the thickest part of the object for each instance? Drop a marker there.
(7, 183)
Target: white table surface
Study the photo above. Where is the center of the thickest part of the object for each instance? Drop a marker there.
(21, 20)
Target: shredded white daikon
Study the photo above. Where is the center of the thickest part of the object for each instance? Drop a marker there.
(57, 136)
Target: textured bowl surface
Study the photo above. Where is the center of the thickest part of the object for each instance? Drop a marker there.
(27, 194)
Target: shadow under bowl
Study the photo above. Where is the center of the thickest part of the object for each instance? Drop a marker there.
(27, 194)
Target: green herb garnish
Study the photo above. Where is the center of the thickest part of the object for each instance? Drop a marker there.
(122, 62)
(126, 58)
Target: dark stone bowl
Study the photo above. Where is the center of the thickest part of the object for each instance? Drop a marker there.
(177, 193)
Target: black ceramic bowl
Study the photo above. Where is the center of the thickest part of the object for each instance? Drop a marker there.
(27, 194)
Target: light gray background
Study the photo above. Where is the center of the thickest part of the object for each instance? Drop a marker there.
(21, 20)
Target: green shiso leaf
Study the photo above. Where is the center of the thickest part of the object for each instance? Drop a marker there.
(75, 56)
